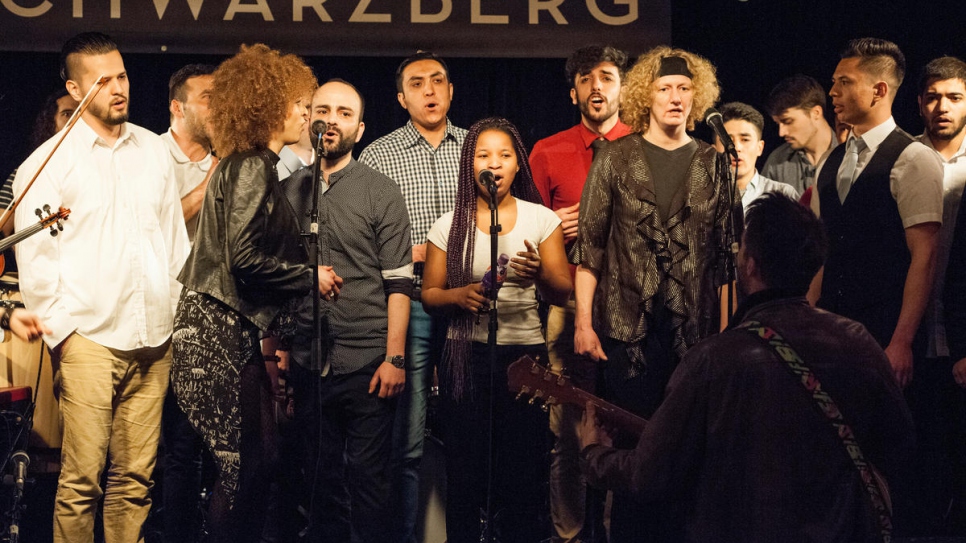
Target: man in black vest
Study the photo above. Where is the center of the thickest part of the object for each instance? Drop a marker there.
(880, 197)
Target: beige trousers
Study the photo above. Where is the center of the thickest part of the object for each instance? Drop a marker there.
(110, 402)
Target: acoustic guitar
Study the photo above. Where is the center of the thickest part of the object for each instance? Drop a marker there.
(528, 378)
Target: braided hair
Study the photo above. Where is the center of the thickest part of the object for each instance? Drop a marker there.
(456, 378)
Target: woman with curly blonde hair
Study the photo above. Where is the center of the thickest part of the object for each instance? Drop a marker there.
(246, 263)
(650, 247)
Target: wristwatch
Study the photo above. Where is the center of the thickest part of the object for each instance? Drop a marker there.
(399, 361)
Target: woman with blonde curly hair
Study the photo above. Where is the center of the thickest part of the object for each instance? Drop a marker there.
(650, 247)
(246, 263)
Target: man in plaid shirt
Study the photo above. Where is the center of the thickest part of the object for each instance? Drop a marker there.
(423, 157)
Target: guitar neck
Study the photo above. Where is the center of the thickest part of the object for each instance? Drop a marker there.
(529, 378)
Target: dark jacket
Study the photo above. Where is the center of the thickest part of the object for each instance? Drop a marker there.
(247, 251)
(741, 448)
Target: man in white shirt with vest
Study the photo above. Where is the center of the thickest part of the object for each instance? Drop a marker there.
(880, 197)
(107, 288)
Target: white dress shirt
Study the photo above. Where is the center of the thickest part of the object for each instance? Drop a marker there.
(760, 185)
(954, 178)
(110, 275)
(188, 175)
(915, 180)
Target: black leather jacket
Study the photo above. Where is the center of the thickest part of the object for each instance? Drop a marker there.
(247, 251)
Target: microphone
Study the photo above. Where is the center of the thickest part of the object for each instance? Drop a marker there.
(319, 128)
(716, 122)
(488, 181)
(20, 461)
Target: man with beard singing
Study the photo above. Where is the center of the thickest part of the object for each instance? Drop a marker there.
(365, 241)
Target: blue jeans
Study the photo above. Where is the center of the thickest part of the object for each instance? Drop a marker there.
(424, 343)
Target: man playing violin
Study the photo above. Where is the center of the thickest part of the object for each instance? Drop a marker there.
(106, 287)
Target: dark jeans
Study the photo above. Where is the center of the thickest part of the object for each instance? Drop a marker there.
(355, 429)
(520, 462)
(631, 519)
(181, 484)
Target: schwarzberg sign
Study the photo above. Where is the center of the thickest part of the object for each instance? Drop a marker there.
(488, 28)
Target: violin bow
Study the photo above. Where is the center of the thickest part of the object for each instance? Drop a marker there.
(8, 213)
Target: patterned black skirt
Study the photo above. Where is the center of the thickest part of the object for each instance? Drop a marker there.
(211, 345)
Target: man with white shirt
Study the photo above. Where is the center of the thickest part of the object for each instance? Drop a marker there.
(942, 105)
(187, 139)
(190, 147)
(107, 288)
(744, 125)
(880, 197)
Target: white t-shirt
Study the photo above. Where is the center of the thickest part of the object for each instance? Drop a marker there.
(519, 323)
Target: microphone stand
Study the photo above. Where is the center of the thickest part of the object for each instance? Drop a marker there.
(314, 254)
(492, 317)
(735, 224)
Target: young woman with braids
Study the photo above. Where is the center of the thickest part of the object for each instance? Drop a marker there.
(246, 262)
(457, 258)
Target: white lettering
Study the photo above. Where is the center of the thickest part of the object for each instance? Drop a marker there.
(162, 5)
(476, 16)
(115, 9)
(21, 11)
(260, 6)
(536, 6)
(298, 7)
(417, 15)
(610, 20)
(359, 15)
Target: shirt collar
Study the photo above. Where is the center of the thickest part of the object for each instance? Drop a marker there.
(178, 155)
(413, 136)
(760, 298)
(961, 153)
(334, 177)
(588, 136)
(874, 137)
(89, 138)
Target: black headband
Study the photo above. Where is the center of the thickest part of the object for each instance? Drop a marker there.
(674, 66)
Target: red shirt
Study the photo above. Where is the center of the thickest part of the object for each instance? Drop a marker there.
(560, 163)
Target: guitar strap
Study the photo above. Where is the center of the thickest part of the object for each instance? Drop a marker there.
(874, 485)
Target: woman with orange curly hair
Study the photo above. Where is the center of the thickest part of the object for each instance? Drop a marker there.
(246, 263)
(650, 246)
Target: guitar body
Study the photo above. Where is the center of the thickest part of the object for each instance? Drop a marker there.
(527, 378)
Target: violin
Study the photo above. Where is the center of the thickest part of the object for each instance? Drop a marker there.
(54, 221)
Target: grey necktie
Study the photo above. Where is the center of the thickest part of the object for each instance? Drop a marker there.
(597, 144)
(847, 173)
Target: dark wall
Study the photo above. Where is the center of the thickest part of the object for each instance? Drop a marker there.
(753, 44)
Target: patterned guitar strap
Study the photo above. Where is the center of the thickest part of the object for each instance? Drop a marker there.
(873, 483)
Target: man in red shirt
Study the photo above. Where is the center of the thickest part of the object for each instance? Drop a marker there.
(560, 164)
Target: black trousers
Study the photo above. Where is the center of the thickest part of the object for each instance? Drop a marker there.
(520, 463)
(353, 430)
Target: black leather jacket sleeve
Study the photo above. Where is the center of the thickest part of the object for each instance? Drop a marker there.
(248, 252)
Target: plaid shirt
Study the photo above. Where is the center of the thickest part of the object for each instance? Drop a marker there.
(427, 176)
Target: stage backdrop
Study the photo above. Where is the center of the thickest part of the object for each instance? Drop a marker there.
(472, 28)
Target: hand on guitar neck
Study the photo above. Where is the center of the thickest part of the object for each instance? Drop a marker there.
(528, 378)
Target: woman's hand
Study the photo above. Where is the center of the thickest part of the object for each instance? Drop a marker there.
(26, 325)
(329, 283)
(527, 264)
(470, 297)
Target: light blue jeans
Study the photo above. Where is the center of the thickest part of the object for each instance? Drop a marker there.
(424, 344)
